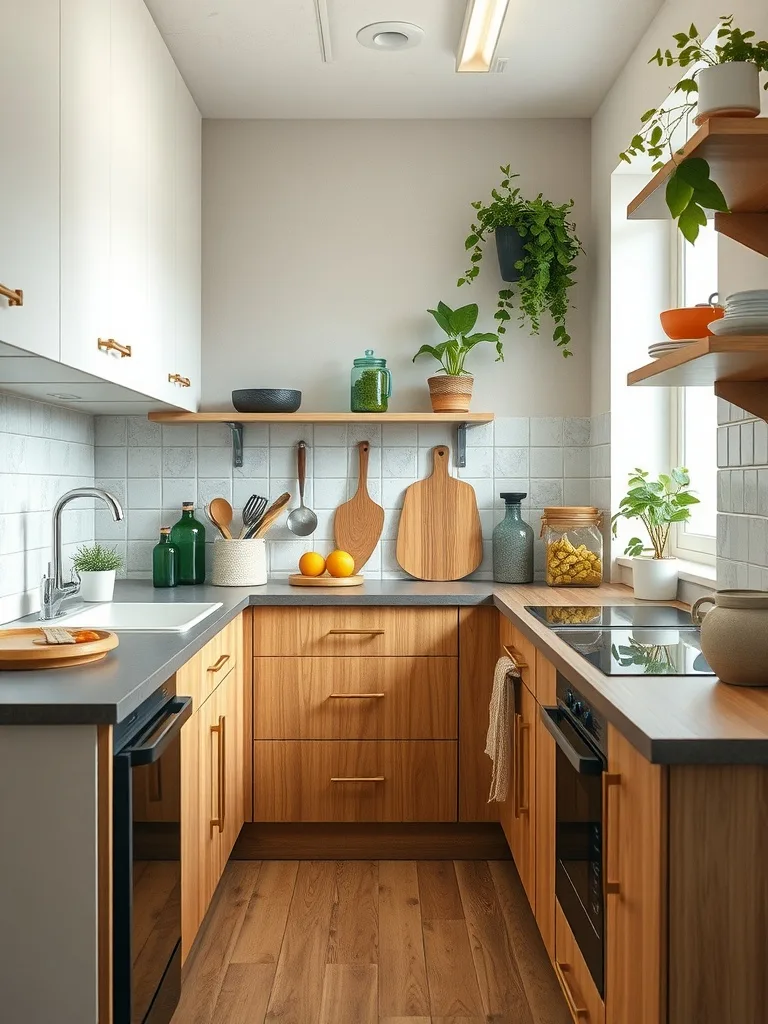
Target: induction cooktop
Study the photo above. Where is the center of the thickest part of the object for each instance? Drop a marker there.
(610, 616)
(640, 650)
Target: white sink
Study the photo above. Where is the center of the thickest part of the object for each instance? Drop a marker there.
(144, 616)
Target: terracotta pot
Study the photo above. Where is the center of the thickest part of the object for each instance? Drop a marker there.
(728, 90)
(734, 635)
(450, 394)
(654, 579)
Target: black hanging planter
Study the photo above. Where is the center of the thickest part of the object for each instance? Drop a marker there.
(510, 249)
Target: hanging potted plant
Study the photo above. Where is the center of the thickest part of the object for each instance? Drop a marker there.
(724, 82)
(96, 567)
(658, 504)
(537, 246)
(453, 391)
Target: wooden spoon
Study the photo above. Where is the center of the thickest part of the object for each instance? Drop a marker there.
(273, 513)
(220, 514)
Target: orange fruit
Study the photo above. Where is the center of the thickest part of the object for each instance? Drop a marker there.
(311, 564)
(340, 563)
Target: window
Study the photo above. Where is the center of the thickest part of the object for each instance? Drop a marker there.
(694, 412)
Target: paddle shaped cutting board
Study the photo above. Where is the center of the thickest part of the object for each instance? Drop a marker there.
(359, 521)
(440, 536)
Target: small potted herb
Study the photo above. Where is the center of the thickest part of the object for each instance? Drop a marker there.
(658, 504)
(537, 248)
(724, 81)
(96, 566)
(453, 391)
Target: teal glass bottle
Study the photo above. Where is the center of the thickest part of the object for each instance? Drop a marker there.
(513, 544)
(165, 560)
(188, 535)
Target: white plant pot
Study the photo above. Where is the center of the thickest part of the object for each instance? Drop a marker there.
(728, 90)
(654, 579)
(97, 586)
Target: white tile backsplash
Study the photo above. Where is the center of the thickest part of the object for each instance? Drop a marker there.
(742, 499)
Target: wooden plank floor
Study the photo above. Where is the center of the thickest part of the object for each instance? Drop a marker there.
(370, 942)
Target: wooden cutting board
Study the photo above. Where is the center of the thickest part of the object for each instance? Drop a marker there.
(27, 649)
(359, 521)
(440, 536)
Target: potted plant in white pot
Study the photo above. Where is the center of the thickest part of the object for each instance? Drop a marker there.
(452, 392)
(724, 82)
(658, 504)
(96, 566)
(537, 246)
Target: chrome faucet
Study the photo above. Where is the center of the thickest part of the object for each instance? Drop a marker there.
(53, 589)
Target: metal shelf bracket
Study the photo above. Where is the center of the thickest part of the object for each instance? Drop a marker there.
(237, 444)
(460, 458)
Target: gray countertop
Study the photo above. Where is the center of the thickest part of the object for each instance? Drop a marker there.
(670, 719)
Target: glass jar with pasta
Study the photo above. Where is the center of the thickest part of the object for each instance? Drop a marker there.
(573, 546)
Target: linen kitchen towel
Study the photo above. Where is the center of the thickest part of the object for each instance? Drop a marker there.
(498, 743)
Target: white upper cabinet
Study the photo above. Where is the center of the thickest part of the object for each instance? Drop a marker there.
(29, 175)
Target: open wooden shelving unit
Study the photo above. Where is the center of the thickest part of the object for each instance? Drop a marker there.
(736, 149)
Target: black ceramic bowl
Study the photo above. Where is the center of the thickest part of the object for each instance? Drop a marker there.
(266, 400)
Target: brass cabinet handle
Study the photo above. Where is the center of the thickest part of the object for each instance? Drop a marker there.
(356, 632)
(219, 664)
(512, 653)
(218, 821)
(110, 345)
(358, 778)
(15, 296)
(176, 378)
(523, 807)
(610, 781)
(353, 696)
(577, 1012)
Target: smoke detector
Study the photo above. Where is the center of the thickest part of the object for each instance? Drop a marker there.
(390, 35)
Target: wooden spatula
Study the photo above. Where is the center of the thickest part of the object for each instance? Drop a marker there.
(440, 537)
(271, 516)
(359, 521)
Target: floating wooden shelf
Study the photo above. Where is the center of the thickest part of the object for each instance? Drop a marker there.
(736, 365)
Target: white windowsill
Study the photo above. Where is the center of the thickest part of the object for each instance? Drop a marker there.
(690, 572)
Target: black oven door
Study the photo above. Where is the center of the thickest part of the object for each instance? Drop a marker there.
(147, 868)
(579, 837)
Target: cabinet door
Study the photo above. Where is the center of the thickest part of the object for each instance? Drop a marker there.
(635, 797)
(192, 831)
(187, 270)
(518, 812)
(212, 755)
(29, 175)
(544, 821)
(229, 700)
(579, 989)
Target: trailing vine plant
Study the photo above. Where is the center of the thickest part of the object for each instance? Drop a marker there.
(550, 249)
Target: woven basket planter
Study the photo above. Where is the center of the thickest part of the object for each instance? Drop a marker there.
(450, 394)
(239, 563)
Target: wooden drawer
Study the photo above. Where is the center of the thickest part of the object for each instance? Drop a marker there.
(406, 780)
(579, 989)
(355, 698)
(211, 665)
(520, 648)
(335, 632)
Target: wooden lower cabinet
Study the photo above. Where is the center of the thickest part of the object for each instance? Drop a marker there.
(354, 780)
(518, 813)
(579, 989)
(544, 815)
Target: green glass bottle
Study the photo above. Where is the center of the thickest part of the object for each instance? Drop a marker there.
(513, 543)
(165, 560)
(188, 535)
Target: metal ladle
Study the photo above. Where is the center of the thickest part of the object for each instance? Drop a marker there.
(302, 521)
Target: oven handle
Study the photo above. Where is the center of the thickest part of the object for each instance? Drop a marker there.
(178, 711)
(589, 765)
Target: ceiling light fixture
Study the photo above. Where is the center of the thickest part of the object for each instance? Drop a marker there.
(480, 35)
(64, 397)
(390, 35)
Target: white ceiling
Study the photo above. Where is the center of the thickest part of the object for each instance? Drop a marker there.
(261, 58)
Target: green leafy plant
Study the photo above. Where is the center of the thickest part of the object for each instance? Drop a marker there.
(550, 249)
(656, 659)
(658, 504)
(690, 188)
(457, 324)
(96, 559)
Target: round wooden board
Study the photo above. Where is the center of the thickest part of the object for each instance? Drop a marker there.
(297, 580)
(21, 649)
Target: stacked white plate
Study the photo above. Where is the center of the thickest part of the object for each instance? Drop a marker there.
(661, 348)
(745, 313)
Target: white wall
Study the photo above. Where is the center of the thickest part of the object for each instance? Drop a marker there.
(324, 238)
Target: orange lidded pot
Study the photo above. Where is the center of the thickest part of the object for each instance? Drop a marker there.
(573, 545)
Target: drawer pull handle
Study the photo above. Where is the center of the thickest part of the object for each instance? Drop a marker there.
(15, 296)
(353, 696)
(219, 663)
(176, 378)
(521, 804)
(356, 632)
(610, 821)
(219, 730)
(517, 658)
(578, 1012)
(358, 778)
(110, 345)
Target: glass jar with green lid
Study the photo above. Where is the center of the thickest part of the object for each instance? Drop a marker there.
(371, 384)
